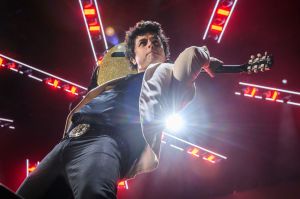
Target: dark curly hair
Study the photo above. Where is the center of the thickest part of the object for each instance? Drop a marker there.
(141, 28)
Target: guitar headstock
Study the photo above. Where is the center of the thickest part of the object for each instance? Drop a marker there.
(259, 63)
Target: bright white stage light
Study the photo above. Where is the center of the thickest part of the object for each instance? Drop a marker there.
(174, 123)
(284, 81)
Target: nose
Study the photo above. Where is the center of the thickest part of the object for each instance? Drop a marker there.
(149, 44)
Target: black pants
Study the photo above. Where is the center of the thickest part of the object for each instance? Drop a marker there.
(88, 167)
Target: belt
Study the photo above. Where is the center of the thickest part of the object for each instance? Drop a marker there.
(79, 130)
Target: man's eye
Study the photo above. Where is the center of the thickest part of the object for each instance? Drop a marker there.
(143, 43)
(156, 43)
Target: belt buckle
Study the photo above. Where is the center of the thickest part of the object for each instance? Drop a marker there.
(79, 130)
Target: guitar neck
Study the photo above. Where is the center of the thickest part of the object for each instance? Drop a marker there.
(230, 69)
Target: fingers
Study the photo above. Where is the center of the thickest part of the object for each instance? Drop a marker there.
(205, 48)
(213, 63)
(213, 59)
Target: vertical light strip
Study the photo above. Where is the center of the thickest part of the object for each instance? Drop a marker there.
(27, 167)
(102, 29)
(89, 34)
(211, 18)
(126, 184)
(231, 11)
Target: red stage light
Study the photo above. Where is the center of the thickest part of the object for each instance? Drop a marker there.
(219, 19)
(253, 92)
(94, 28)
(247, 90)
(55, 83)
(267, 94)
(123, 184)
(100, 58)
(223, 12)
(227, 3)
(52, 82)
(1, 61)
(11, 65)
(271, 96)
(87, 4)
(193, 151)
(89, 11)
(210, 158)
(93, 24)
(216, 27)
(99, 61)
(31, 169)
(73, 89)
(275, 94)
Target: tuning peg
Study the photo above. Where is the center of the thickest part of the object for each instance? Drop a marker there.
(269, 61)
(249, 70)
(252, 57)
(261, 60)
(257, 58)
(265, 56)
(250, 61)
(256, 63)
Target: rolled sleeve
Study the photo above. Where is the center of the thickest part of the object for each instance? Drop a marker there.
(189, 63)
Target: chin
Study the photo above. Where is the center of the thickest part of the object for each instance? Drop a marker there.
(155, 61)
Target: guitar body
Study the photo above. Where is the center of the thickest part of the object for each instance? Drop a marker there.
(114, 64)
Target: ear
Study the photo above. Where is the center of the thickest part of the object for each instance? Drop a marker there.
(133, 61)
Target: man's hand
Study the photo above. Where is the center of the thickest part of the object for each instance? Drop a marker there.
(213, 64)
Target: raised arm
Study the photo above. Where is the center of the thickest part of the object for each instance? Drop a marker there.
(189, 63)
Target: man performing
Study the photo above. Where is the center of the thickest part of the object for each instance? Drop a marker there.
(115, 131)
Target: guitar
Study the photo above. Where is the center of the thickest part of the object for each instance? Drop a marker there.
(114, 64)
(259, 63)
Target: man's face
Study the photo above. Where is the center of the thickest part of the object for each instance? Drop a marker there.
(148, 49)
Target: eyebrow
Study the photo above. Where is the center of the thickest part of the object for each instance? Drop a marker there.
(144, 38)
